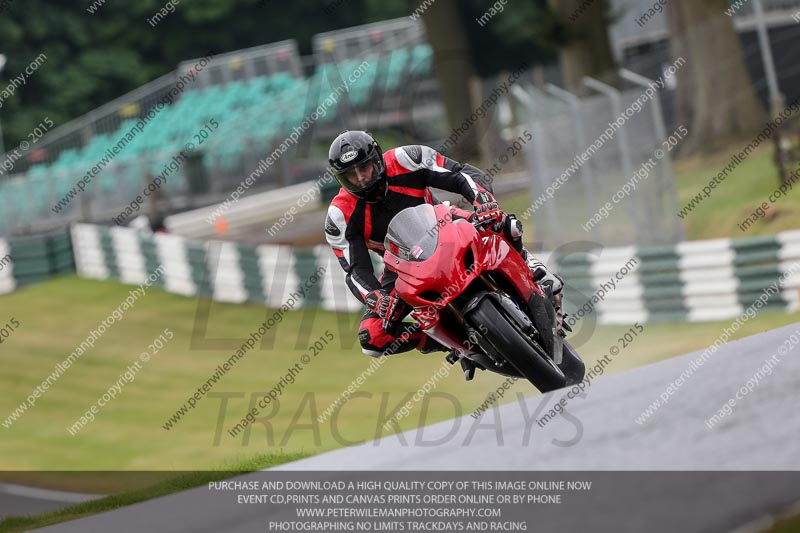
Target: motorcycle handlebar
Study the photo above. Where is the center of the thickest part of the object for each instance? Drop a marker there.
(497, 227)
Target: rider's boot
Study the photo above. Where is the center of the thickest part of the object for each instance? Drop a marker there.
(432, 345)
(552, 284)
(512, 229)
(547, 280)
(543, 276)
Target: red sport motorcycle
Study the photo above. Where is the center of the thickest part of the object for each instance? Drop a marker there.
(471, 290)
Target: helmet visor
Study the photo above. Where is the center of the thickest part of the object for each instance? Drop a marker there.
(361, 176)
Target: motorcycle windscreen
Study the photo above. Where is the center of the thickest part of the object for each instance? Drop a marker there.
(413, 233)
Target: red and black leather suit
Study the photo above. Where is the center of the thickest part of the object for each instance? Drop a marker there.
(354, 226)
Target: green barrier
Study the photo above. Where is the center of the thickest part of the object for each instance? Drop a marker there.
(41, 257)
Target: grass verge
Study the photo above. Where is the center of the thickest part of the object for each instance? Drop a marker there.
(128, 434)
(786, 525)
(185, 481)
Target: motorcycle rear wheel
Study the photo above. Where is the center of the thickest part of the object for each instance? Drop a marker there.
(516, 347)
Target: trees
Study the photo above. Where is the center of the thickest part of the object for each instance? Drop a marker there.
(454, 69)
(467, 43)
(94, 57)
(580, 30)
(715, 96)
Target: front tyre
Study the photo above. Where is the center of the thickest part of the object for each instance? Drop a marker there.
(543, 316)
(572, 365)
(515, 346)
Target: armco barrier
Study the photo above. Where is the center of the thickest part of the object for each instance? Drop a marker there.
(27, 260)
(692, 281)
(222, 270)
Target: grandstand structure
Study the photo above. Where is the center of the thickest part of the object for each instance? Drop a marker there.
(408, 93)
(257, 96)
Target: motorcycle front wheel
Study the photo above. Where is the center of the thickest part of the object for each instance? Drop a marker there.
(511, 343)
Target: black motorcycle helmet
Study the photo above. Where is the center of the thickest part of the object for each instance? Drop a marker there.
(356, 161)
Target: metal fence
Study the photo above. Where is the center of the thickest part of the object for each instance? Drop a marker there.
(627, 33)
(646, 49)
(565, 126)
(600, 168)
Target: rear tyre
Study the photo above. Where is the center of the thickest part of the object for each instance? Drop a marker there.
(522, 352)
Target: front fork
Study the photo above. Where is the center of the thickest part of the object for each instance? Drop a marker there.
(512, 229)
(558, 336)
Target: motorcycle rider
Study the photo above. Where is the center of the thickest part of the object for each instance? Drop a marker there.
(375, 186)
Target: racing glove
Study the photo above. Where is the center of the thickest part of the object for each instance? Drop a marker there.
(388, 306)
(486, 208)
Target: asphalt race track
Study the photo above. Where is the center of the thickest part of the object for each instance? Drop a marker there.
(598, 434)
(753, 437)
(20, 500)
